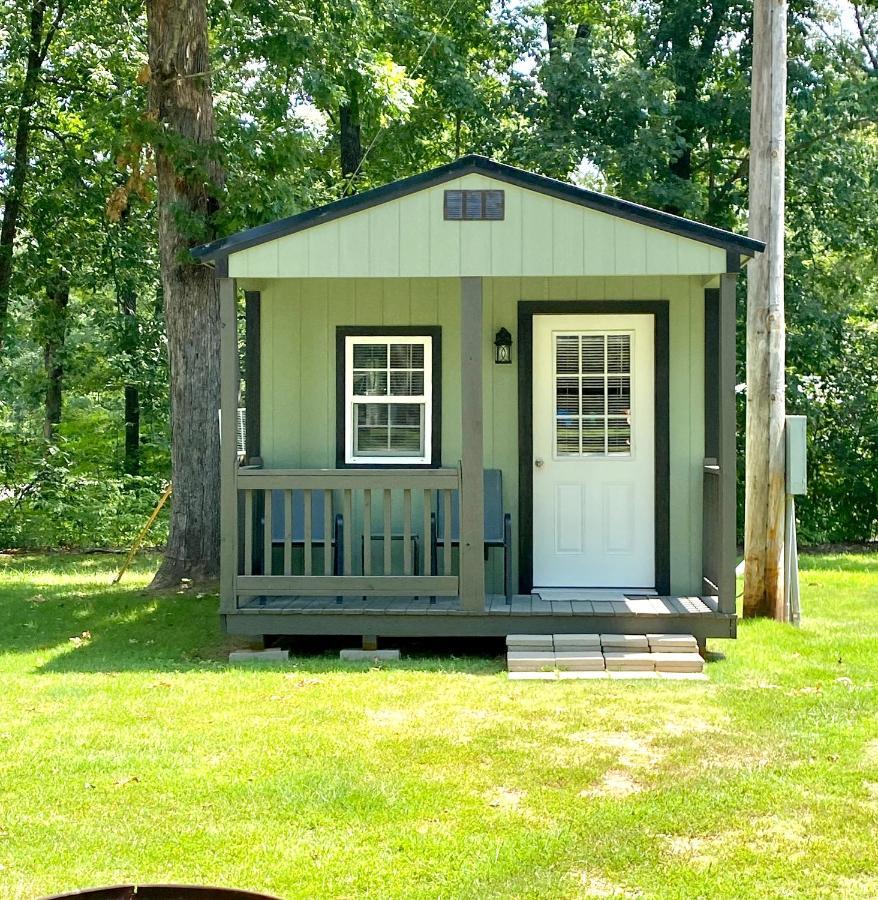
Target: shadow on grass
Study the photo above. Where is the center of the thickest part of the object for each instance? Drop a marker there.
(64, 607)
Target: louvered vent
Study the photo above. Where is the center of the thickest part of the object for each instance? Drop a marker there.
(475, 206)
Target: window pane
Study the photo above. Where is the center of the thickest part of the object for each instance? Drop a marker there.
(618, 352)
(405, 414)
(370, 383)
(403, 384)
(567, 397)
(567, 354)
(370, 356)
(618, 436)
(593, 396)
(402, 356)
(406, 441)
(619, 395)
(593, 353)
(567, 436)
(371, 413)
(371, 441)
(593, 435)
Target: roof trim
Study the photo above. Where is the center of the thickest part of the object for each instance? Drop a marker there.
(474, 164)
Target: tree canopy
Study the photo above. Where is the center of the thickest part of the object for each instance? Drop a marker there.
(646, 99)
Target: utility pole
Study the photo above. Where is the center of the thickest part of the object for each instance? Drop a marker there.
(766, 386)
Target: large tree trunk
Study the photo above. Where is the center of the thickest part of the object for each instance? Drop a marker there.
(51, 323)
(349, 133)
(38, 47)
(131, 464)
(189, 180)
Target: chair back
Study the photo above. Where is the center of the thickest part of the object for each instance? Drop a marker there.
(493, 511)
(297, 532)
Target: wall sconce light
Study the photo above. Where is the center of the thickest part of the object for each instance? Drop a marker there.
(503, 347)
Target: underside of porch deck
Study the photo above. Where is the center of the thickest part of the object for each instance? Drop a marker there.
(414, 616)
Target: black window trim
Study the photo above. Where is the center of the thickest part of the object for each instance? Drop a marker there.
(342, 332)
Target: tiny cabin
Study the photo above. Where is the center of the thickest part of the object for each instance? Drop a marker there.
(479, 401)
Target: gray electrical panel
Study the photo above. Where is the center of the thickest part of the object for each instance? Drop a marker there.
(797, 455)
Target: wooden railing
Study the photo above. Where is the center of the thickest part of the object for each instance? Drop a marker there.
(311, 532)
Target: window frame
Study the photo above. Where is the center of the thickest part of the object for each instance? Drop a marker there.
(346, 338)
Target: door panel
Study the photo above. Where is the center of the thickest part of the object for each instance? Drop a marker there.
(593, 449)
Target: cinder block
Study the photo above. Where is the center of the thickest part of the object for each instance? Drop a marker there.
(533, 676)
(577, 641)
(587, 675)
(678, 662)
(625, 642)
(672, 643)
(274, 654)
(529, 642)
(352, 654)
(629, 662)
(579, 660)
(632, 675)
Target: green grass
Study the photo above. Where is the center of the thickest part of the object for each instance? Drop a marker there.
(134, 753)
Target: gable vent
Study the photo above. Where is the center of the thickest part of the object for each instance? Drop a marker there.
(474, 205)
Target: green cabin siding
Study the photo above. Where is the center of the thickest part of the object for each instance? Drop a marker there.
(539, 236)
(299, 320)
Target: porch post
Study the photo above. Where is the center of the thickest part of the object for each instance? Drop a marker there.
(472, 488)
(726, 449)
(229, 377)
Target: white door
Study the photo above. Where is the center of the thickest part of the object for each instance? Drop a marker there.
(593, 451)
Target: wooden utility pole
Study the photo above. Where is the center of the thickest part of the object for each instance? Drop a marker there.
(766, 407)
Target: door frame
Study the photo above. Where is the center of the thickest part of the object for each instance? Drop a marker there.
(659, 310)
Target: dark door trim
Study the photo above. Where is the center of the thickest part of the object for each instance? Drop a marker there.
(658, 309)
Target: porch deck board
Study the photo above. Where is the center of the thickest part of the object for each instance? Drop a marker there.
(495, 605)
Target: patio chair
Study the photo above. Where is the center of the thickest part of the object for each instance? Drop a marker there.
(498, 526)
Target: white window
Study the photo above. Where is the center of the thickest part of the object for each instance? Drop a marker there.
(388, 399)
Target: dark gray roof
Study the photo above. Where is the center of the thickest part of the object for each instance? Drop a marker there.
(467, 165)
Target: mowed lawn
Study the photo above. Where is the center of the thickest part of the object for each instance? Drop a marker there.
(130, 750)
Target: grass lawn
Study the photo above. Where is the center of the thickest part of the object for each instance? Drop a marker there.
(130, 751)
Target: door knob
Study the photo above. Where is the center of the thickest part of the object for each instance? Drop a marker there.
(538, 462)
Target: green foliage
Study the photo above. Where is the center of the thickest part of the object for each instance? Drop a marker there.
(647, 100)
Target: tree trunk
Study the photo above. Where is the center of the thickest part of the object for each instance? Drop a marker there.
(12, 200)
(349, 133)
(131, 464)
(51, 322)
(189, 181)
(765, 459)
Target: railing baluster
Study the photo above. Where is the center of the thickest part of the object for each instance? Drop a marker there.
(407, 532)
(307, 505)
(427, 554)
(446, 555)
(266, 533)
(367, 531)
(341, 526)
(288, 532)
(327, 532)
(248, 532)
(388, 534)
(348, 520)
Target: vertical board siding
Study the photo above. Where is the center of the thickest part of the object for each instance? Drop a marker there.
(299, 319)
(538, 235)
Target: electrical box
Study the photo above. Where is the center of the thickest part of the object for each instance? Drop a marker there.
(797, 455)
